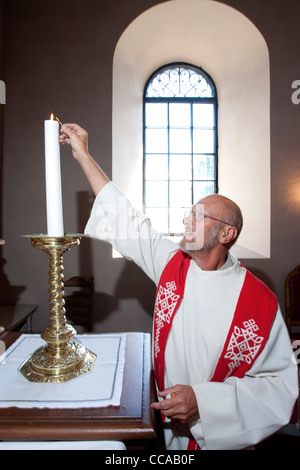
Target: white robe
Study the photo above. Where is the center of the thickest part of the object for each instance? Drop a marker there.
(239, 412)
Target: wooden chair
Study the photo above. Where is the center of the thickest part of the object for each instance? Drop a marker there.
(79, 293)
(292, 318)
(292, 300)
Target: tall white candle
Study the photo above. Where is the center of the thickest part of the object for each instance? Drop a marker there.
(55, 225)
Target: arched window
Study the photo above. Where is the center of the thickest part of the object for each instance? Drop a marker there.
(243, 87)
(180, 143)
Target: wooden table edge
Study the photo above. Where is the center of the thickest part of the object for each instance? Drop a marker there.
(14, 426)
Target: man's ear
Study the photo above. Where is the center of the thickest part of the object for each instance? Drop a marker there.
(227, 235)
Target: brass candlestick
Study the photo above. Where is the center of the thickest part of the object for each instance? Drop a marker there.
(60, 360)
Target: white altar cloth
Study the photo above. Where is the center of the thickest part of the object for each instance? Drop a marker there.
(98, 388)
(63, 445)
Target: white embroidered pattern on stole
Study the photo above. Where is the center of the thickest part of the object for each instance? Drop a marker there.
(244, 344)
(166, 302)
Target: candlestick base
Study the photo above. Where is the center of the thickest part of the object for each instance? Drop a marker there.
(60, 360)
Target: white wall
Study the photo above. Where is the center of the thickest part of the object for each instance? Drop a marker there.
(230, 48)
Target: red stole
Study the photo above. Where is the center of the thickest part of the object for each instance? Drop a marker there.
(248, 334)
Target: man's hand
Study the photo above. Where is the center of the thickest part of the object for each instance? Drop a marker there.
(75, 136)
(182, 404)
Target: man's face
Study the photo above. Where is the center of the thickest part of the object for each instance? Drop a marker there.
(193, 237)
(201, 233)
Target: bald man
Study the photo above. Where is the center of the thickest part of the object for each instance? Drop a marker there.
(221, 353)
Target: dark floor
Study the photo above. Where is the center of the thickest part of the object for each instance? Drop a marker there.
(287, 438)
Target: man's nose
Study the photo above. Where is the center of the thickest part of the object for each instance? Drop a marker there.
(187, 219)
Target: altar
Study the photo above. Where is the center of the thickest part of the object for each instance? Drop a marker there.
(120, 411)
(60, 386)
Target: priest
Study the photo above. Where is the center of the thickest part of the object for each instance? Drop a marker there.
(221, 352)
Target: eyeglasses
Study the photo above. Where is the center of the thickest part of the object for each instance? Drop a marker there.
(199, 215)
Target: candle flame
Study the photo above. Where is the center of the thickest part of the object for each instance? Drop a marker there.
(51, 117)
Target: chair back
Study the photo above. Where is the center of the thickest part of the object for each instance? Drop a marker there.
(79, 294)
(292, 299)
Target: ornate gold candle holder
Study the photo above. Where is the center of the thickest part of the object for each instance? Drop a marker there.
(60, 359)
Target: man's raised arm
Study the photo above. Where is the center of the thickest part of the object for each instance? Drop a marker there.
(77, 138)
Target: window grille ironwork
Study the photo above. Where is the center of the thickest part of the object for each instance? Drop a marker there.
(179, 82)
(180, 143)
